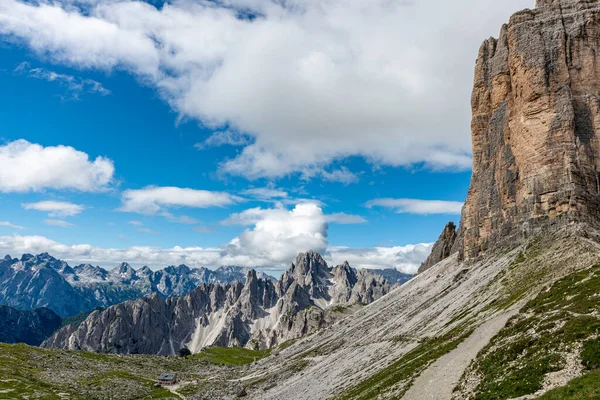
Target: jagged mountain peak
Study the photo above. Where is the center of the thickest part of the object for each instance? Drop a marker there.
(42, 260)
(7, 261)
(310, 265)
(124, 271)
(26, 257)
(123, 268)
(251, 276)
(145, 270)
(345, 266)
(180, 269)
(442, 247)
(345, 271)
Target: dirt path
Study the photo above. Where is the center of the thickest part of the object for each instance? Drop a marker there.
(173, 389)
(438, 381)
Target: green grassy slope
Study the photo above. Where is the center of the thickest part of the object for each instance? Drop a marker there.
(561, 320)
(34, 373)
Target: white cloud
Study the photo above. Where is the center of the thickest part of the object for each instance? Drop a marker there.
(58, 222)
(265, 193)
(154, 200)
(345, 219)
(310, 82)
(403, 258)
(75, 86)
(55, 208)
(8, 224)
(278, 234)
(223, 138)
(135, 223)
(31, 167)
(342, 175)
(270, 243)
(416, 206)
(256, 215)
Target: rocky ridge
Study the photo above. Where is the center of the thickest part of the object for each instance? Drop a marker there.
(29, 327)
(44, 281)
(258, 314)
(442, 248)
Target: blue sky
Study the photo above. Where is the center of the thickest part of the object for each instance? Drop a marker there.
(159, 126)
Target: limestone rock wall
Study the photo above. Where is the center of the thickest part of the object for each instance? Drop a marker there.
(536, 118)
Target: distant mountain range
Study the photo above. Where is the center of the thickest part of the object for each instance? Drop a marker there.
(44, 281)
(258, 314)
(393, 276)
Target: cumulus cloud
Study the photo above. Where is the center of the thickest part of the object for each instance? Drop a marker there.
(416, 206)
(154, 200)
(55, 208)
(8, 224)
(279, 233)
(75, 86)
(58, 222)
(30, 167)
(254, 216)
(309, 82)
(403, 258)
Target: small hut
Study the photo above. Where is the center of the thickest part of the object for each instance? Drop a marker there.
(167, 379)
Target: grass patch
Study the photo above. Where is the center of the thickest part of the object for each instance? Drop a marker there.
(531, 345)
(36, 373)
(230, 355)
(586, 387)
(590, 354)
(286, 344)
(191, 388)
(299, 365)
(338, 309)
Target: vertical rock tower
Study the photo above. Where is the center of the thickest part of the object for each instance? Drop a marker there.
(535, 127)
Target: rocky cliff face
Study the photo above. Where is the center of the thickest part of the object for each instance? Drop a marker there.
(536, 114)
(43, 281)
(29, 327)
(442, 247)
(260, 313)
